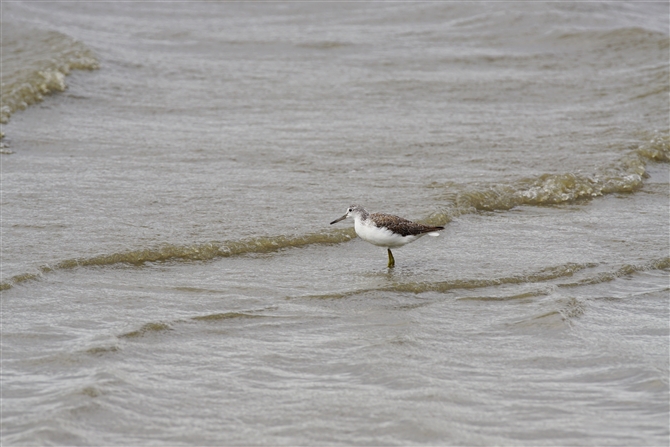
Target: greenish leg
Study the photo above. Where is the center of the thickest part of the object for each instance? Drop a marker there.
(391, 260)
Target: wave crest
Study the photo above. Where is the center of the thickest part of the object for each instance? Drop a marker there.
(35, 63)
(196, 252)
(625, 175)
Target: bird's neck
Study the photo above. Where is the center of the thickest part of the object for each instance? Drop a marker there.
(360, 220)
(362, 216)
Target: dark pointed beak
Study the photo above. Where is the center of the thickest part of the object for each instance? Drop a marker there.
(337, 220)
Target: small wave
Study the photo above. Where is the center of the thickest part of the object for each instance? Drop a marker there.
(567, 310)
(196, 252)
(543, 275)
(324, 45)
(558, 272)
(517, 296)
(624, 176)
(147, 329)
(625, 270)
(656, 148)
(99, 350)
(546, 274)
(161, 327)
(225, 316)
(607, 39)
(35, 63)
(558, 318)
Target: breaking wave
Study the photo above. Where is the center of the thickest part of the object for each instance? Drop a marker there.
(626, 175)
(35, 63)
(196, 252)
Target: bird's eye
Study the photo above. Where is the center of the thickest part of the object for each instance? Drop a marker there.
(349, 210)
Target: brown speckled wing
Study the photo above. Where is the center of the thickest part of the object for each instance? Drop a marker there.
(401, 226)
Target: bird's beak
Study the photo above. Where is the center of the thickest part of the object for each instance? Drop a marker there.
(341, 218)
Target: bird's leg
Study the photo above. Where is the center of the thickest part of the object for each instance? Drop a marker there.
(391, 260)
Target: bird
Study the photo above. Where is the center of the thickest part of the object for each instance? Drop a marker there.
(386, 230)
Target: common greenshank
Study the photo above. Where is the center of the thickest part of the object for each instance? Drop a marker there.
(386, 230)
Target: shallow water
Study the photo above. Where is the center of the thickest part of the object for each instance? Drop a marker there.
(169, 275)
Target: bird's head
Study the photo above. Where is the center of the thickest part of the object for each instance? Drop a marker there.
(353, 211)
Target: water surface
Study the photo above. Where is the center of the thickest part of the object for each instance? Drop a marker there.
(169, 275)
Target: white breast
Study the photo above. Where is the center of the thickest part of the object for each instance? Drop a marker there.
(381, 236)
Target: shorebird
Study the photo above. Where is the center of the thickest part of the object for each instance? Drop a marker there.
(386, 230)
